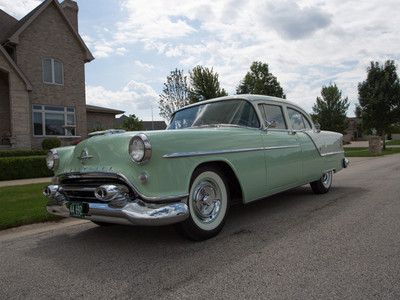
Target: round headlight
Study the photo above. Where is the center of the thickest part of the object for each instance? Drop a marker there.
(52, 159)
(140, 148)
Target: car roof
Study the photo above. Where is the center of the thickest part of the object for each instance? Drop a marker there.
(248, 97)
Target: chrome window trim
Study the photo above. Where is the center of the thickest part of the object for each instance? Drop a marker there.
(94, 175)
(227, 151)
(202, 103)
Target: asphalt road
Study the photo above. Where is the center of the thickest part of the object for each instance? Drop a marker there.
(344, 244)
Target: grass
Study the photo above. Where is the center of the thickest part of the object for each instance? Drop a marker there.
(393, 142)
(363, 152)
(20, 205)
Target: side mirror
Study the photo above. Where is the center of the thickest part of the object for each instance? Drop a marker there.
(270, 124)
(317, 127)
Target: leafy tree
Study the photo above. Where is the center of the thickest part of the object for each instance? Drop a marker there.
(204, 84)
(379, 97)
(132, 123)
(260, 81)
(175, 94)
(330, 109)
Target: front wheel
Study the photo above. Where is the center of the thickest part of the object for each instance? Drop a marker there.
(208, 204)
(322, 185)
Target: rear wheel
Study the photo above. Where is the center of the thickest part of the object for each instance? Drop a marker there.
(322, 185)
(208, 204)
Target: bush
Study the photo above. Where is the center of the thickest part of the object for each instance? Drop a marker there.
(16, 153)
(23, 167)
(51, 143)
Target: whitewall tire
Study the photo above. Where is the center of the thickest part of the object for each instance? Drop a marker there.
(322, 185)
(208, 204)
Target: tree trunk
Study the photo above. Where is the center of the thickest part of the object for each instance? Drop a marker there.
(383, 141)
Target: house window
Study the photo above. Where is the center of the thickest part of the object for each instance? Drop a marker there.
(53, 71)
(51, 120)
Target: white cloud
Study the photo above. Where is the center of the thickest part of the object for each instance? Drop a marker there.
(134, 98)
(142, 65)
(18, 8)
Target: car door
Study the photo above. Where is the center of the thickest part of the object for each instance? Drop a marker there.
(282, 149)
(302, 127)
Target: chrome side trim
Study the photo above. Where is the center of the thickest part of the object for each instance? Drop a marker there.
(94, 175)
(216, 152)
(332, 153)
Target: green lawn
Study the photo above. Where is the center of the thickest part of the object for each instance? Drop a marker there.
(363, 152)
(391, 143)
(23, 204)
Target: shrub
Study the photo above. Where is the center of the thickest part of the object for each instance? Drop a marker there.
(23, 167)
(16, 153)
(51, 143)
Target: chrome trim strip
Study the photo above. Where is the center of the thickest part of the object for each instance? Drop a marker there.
(332, 153)
(94, 175)
(216, 152)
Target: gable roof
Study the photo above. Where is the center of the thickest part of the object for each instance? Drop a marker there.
(16, 68)
(13, 35)
(7, 23)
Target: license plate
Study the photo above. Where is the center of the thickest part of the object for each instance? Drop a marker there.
(77, 209)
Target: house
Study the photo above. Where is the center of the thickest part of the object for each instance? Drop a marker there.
(42, 78)
(147, 125)
(100, 118)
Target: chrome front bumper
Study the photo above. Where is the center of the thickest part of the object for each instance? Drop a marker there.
(134, 212)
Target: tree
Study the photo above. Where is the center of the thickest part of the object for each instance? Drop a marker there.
(175, 94)
(132, 123)
(330, 109)
(379, 97)
(204, 85)
(260, 81)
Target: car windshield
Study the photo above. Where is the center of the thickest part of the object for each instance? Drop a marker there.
(235, 112)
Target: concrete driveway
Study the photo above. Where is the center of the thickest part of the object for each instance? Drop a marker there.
(344, 244)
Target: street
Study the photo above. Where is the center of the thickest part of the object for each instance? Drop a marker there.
(344, 244)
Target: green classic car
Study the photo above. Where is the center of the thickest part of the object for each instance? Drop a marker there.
(213, 153)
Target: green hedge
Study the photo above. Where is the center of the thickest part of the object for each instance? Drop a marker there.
(15, 153)
(23, 167)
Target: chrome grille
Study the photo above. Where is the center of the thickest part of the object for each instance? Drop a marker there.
(82, 189)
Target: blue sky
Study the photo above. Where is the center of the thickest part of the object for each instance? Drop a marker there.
(307, 44)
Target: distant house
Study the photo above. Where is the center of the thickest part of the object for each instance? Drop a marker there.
(100, 118)
(353, 131)
(42, 78)
(147, 125)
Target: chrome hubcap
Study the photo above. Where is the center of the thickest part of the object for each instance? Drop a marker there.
(326, 179)
(207, 201)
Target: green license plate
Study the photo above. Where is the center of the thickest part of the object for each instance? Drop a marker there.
(77, 209)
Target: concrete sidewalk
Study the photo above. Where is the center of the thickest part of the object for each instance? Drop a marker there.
(25, 181)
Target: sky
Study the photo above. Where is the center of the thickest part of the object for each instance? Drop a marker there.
(307, 44)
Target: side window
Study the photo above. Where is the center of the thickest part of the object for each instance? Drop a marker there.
(273, 113)
(245, 115)
(298, 120)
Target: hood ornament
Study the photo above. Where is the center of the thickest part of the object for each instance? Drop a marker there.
(85, 156)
